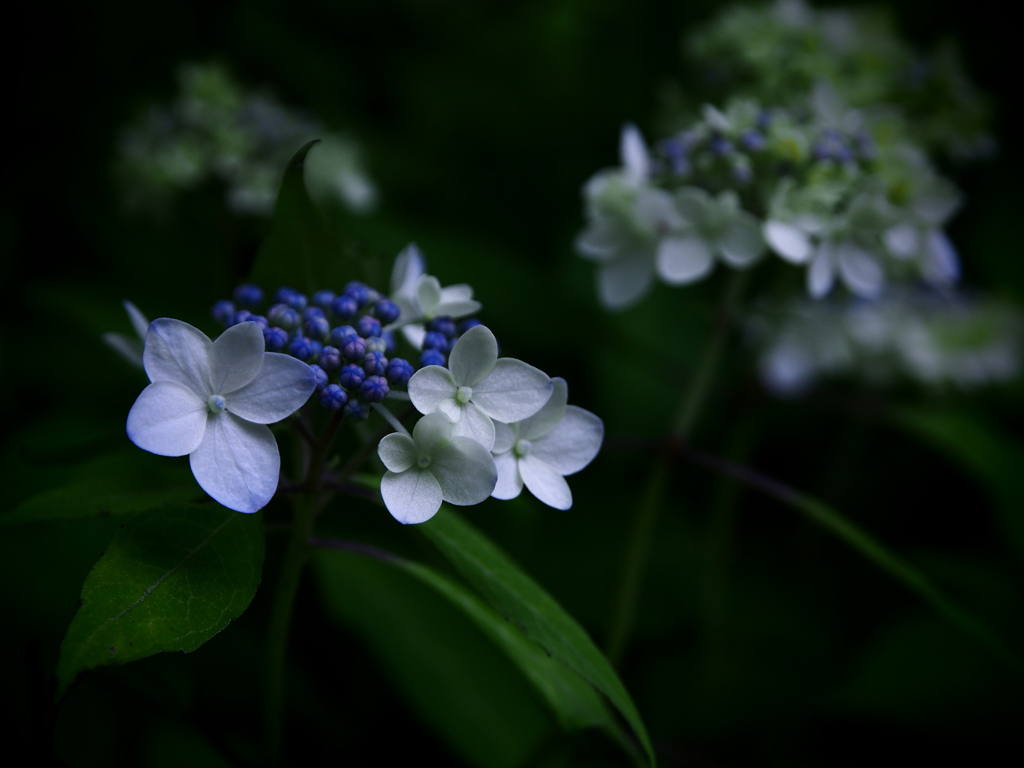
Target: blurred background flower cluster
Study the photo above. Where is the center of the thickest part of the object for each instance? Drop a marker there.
(149, 145)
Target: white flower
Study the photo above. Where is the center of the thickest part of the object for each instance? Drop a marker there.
(711, 227)
(539, 451)
(478, 387)
(127, 347)
(212, 400)
(420, 296)
(627, 219)
(851, 250)
(920, 237)
(431, 466)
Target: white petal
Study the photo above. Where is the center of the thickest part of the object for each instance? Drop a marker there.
(683, 260)
(428, 294)
(413, 496)
(741, 244)
(432, 431)
(457, 308)
(476, 425)
(902, 240)
(458, 292)
(790, 242)
(283, 386)
(509, 484)
(544, 420)
(451, 409)
(237, 463)
(465, 471)
(633, 152)
(544, 483)
(398, 452)
(622, 282)
(505, 436)
(236, 357)
(941, 265)
(473, 356)
(138, 320)
(168, 419)
(414, 334)
(175, 351)
(860, 270)
(512, 391)
(429, 386)
(129, 349)
(600, 240)
(692, 204)
(409, 265)
(571, 445)
(821, 273)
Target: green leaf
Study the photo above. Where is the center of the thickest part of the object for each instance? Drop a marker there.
(992, 458)
(169, 581)
(303, 250)
(523, 602)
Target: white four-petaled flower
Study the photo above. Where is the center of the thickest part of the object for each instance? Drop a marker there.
(477, 387)
(430, 466)
(212, 401)
(539, 451)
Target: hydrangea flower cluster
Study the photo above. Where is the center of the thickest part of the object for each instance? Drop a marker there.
(933, 339)
(851, 200)
(214, 128)
(775, 52)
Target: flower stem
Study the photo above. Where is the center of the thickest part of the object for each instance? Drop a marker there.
(652, 498)
(389, 417)
(295, 557)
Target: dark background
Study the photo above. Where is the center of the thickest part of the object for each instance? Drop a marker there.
(768, 644)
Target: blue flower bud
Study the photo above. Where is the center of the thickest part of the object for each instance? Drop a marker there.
(340, 335)
(741, 173)
(330, 358)
(386, 311)
(444, 325)
(354, 348)
(333, 397)
(250, 296)
(302, 348)
(356, 410)
(375, 364)
(239, 317)
(721, 146)
(399, 371)
(260, 320)
(431, 357)
(367, 326)
(360, 292)
(435, 340)
(317, 349)
(376, 344)
(351, 376)
(469, 322)
(310, 312)
(291, 297)
(283, 316)
(275, 339)
(344, 307)
(374, 389)
(321, 376)
(752, 141)
(316, 328)
(222, 311)
(323, 299)
(389, 343)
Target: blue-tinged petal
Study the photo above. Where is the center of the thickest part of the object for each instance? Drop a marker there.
(505, 436)
(544, 482)
(741, 244)
(512, 391)
(547, 418)
(128, 348)
(175, 351)
(283, 385)
(623, 281)
(428, 294)
(168, 419)
(861, 271)
(634, 155)
(431, 386)
(940, 265)
(787, 240)
(473, 356)
(413, 496)
(398, 452)
(236, 357)
(572, 444)
(476, 425)
(138, 320)
(510, 483)
(431, 432)
(465, 471)
(237, 463)
(821, 274)
(684, 259)
(409, 266)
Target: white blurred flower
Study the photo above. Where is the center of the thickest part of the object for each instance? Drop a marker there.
(430, 466)
(212, 401)
(477, 388)
(539, 451)
(126, 346)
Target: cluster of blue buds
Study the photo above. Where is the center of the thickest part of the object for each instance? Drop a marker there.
(340, 336)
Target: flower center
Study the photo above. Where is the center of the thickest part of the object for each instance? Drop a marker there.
(463, 394)
(423, 461)
(521, 448)
(216, 403)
